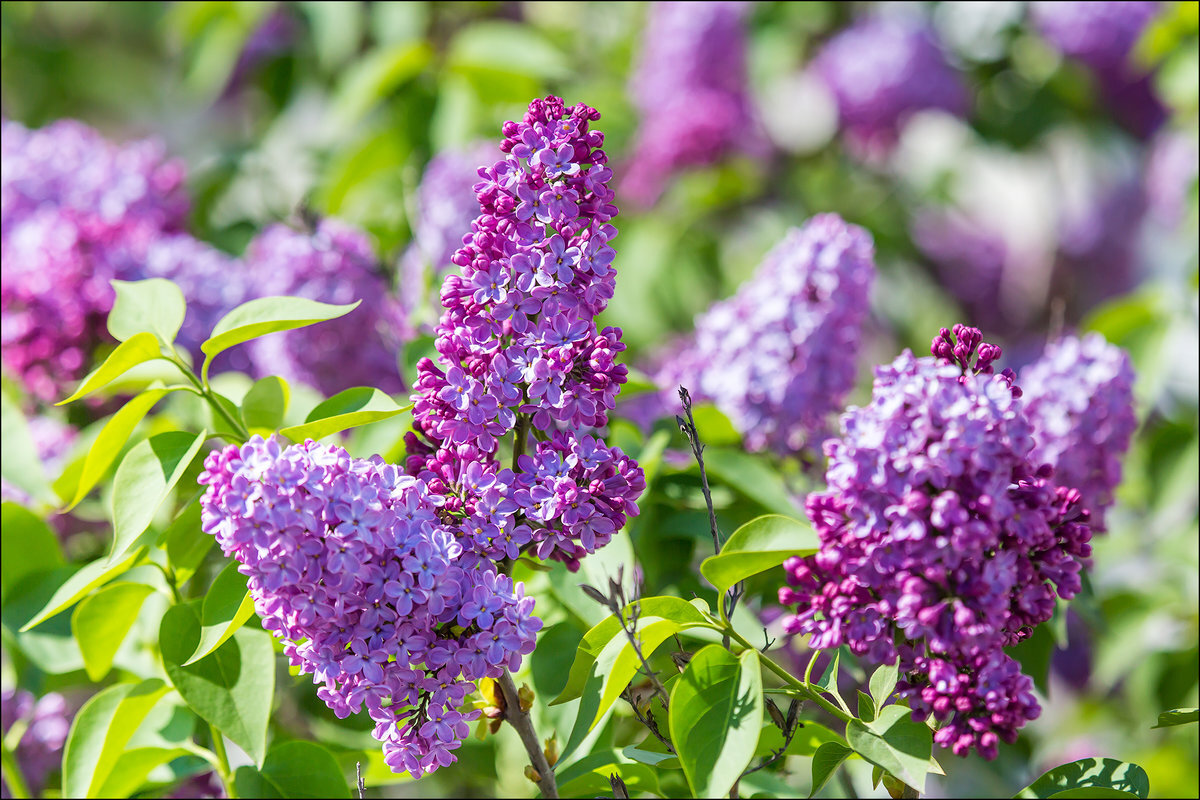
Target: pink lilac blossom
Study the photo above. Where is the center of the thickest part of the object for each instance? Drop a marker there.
(882, 70)
(1102, 36)
(691, 90)
(333, 264)
(942, 541)
(779, 356)
(39, 751)
(1079, 399)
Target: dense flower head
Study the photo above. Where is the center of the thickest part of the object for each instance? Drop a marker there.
(373, 584)
(334, 263)
(39, 750)
(1079, 399)
(880, 71)
(942, 540)
(779, 356)
(690, 87)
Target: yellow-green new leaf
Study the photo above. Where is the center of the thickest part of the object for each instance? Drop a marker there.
(154, 306)
(101, 622)
(349, 409)
(137, 349)
(268, 315)
(761, 544)
(143, 480)
(100, 732)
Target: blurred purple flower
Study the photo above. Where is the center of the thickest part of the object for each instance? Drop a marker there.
(39, 751)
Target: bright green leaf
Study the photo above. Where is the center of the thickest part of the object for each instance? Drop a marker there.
(143, 480)
(137, 349)
(92, 575)
(227, 606)
(100, 732)
(232, 688)
(715, 717)
(1089, 775)
(20, 464)
(805, 741)
(507, 47)
(349, 409)
(866, 707)
(1177, 716)
(27, 545)
(268, 315)
(883, 683)
(752, 477)
(825, 763)
(895, 743)
(374, 77)
(153, 306)
(618, 662)
(760, 544)
(133, 766)
(112, 438)
(294, 769)
(101, 622)
(265, 404)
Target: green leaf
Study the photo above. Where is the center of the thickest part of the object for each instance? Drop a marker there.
(760, 544)
(112, 438)
(268, 315)
(294, 769)
(1034, 654)
(100, 732)
(186, 543)
(232, 688)
(19, 461)
(265, 404)
(808, 737)
(1087, 777)
(866, 707)
(153, 306)
(618, 662)
(349, 409)
(883, 683)
(370, 79)
(506, 47)
(143, 480)
(894, 743)
(101, 622)
(96, 573)
(752, 477)
(133, 766)
(825, 762)
(589, 777)
(27, 545)
(137, 349)
(715, 717)
(227, 606)
(1177, 716)
(828, 681)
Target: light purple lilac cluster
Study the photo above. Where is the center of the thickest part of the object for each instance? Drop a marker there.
(942, 540)
(690, 87)
(1102, 35)
(69, 200)
(373, 585)
(779, 356)
(39, 751)
(335, 263)
(880, 71)
(1079, 398)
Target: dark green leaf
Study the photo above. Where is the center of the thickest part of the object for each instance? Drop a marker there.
(27, 545)
(51, 647)
(349, 409)
(825, 762)
(1089, 776)
(268, 315)
(100, 732)
(227, 606)
(137, 349)
(101, 622)
(866, 707)
(186, 543)
(265, 404)
(143, 480)
(1034, 654)
(805, 741)
(715, 717)
(232, 688)
(894, 743)
(1177, 716)
(153, 306)
(294, 769)
(760, 544)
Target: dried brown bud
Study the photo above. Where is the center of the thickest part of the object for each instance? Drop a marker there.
(620, 792)
(776, 715)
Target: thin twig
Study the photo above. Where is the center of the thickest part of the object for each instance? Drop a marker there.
(362, 787)
(524, 726)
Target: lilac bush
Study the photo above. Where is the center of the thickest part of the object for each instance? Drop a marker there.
(942, 540)
(779, 356)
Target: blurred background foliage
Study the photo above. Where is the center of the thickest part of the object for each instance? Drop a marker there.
(283, 109)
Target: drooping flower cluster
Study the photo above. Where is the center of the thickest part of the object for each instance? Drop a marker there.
(690, 87)
(39, 750)
(374, 587)
(942, 542)
(1102, 36)
(1079, 399)
(780, 355)
(68, 201)
(880, 71)
(333, 264)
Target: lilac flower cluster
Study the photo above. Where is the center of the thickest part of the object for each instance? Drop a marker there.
(942, 542)
(373, 584)
(1102, 35)
(39, 751)
(333, 264)
(880, 71)
(1079, 399)
(68, 200)
(780, 355)
(690, 87)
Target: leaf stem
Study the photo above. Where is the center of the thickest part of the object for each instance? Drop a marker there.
(524, 726)
(803, 685)
(202, 387)
(222, 761)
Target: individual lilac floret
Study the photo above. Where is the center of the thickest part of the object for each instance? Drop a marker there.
(778, 357)
(39, 751)
(690, 87)
(1102, 35)
(334, 264)
(373, 585)
(1079, 398)
(941, 541)
(880, 71)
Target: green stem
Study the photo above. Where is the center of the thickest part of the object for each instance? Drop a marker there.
(222, 761)
(207, 393)
(12, 773)
(802, 685)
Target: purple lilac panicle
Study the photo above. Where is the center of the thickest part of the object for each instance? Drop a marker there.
(942, 542)
(1079, 398)
(780, 355)
(39, 751)
(691, 90)
(882, 70)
